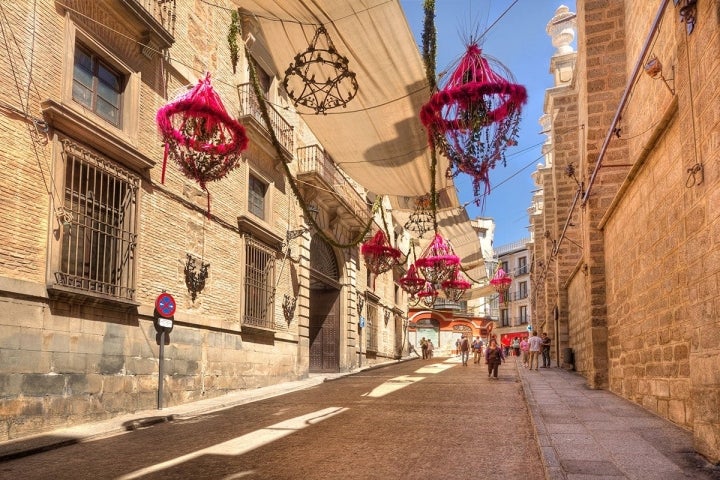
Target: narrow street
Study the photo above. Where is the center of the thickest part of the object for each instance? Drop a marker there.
(428, 419)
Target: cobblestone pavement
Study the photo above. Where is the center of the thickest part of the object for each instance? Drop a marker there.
(433, 419)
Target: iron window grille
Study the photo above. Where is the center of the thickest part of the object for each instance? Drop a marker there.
(259, 281)
(99, 234)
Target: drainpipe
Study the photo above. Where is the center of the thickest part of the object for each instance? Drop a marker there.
(626, 95)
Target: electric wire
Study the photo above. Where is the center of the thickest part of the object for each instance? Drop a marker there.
(24, 112)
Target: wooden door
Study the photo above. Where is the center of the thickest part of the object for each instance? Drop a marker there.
(324, 330)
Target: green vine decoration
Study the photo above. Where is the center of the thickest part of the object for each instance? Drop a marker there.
(291, 180)
(429, 47)
(429, 39)
(232, 37)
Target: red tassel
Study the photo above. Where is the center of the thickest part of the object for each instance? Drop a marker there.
(162, 177)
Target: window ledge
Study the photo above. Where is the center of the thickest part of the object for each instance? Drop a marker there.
(259, 230)
(80, 126)
(70, 295)
(257, 331)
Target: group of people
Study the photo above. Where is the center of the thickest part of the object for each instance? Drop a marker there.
(531, 349)
(427, 347)
(463, 347)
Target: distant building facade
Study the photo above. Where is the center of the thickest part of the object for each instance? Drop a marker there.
(514, 316)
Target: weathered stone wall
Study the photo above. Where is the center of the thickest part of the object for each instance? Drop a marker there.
(641, 303)
(578, 326)
(661, 256)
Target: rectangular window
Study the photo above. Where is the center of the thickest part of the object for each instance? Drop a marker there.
(505, 267)
(371, 327)
(256, 197)
(259, 281)
(504, 317)
(522, 266)
(99, 234)
(97, 86)
(522, 290)
(523, 315)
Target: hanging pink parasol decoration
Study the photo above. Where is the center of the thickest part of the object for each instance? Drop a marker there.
(428, 295)
(475, 116)
(456, 286)
(200, 135)
(501, 282)
(412, 282)
(437, 261)
(379, 255)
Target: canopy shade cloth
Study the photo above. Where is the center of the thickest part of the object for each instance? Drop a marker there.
(377, 138)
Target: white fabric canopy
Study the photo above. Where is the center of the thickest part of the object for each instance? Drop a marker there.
(378, 138)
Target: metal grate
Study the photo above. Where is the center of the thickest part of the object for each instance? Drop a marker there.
(259, 281)
(98, 242)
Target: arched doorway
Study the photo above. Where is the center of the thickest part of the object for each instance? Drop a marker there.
(324, 308)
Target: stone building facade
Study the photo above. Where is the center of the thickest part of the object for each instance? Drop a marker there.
(626, 224)
(93, 233)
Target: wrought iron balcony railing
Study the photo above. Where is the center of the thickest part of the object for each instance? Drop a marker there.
(250, 108)
(312, 159)
(158, 17)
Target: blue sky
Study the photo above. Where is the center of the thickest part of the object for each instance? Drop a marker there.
(519, 41)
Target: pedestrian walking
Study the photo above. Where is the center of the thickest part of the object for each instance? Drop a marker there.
(525, 349)
(546, 344)
(464, 349)
(535, 347)
(505, 344)
(430, 348)
(424, 347)
(516, 347)
(477, 349)
(457, 347)
(494, 356)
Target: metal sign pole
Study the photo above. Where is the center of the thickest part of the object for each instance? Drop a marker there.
(164, 310)
(161, 369)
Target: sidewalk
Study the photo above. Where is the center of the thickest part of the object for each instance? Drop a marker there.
(595, 434)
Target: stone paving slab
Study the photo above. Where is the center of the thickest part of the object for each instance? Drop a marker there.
(587, 434)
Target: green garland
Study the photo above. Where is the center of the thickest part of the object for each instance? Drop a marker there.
(232, 37)
(429, 48)
(429, 38)
(291, 180)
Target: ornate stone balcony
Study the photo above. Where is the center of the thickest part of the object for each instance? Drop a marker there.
(322, 182)
(251, 117)
(158, 19)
